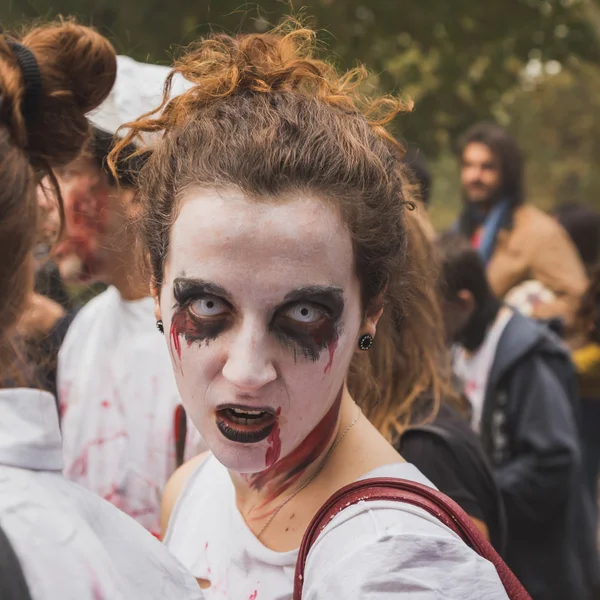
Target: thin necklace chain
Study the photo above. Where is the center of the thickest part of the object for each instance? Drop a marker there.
(329, 452)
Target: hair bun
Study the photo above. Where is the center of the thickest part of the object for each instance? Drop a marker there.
(223, 65)
(78, 69)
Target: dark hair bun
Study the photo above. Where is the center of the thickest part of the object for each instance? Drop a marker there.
(78, 68)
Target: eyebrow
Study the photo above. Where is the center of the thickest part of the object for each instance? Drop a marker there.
(315, 292)
(185, 288)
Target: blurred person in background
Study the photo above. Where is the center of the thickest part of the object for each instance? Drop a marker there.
(418, 171)
(516, 241)
(70, 544)
(586, 356)
(124, 430)
(48, 280)
(418, 185)
(521, 385)
(49, 313)
(46, 318)
(582, 223)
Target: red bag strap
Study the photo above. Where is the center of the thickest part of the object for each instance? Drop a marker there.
(422, 496)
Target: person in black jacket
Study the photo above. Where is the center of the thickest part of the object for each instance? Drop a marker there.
(449, 453)
(522, 387)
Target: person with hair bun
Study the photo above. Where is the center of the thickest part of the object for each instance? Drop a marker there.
(70, 544)
(124, 429)
(274, 218)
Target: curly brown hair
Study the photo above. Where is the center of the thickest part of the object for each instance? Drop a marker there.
(266, 117)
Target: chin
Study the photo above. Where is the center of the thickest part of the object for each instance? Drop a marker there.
(236, 456)
(240, 458)
(480, 200)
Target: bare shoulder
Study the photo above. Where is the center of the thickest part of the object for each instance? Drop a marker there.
(174, 487)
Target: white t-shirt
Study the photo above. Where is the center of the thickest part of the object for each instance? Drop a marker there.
(71, 544)
(474, 369)
(118, 400)
(376, 549)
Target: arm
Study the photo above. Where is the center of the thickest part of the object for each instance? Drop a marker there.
(536, 480)
(557, 266)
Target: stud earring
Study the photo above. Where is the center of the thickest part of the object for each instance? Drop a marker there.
(365, 341)
(159, 326)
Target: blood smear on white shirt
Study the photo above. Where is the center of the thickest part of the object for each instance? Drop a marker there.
(118, 401)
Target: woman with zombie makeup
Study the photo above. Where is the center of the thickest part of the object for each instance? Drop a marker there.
(274, 220)
(70, 543)
(124, 429)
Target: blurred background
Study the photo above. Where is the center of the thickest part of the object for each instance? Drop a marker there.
(532, 65)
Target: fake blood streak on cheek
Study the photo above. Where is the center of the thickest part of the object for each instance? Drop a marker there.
(331, 347)
(274, 441)
(184, 326)
(175, 333)
(287, 470)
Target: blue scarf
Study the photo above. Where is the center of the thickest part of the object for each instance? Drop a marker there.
(491, 224)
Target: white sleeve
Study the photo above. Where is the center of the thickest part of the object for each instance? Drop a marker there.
(52, 561)
(373, 557)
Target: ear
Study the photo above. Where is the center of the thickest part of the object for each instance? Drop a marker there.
(370, 323)
(371, 320)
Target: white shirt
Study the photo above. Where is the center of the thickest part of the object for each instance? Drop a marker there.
(118, 399)
(376, 550)
(71, 544)
(474, 369)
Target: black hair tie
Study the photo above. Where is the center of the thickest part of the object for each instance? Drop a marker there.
(32, 78)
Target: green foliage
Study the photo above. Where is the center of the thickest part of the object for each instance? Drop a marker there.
(460, 60)
(455, 58)
(556, 119)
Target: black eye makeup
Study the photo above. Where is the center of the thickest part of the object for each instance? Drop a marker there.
(202, 311)
(309, 322)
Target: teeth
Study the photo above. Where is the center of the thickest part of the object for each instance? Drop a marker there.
(246, 417)
(242, 413)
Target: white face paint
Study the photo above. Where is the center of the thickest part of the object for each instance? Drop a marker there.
(261, 308)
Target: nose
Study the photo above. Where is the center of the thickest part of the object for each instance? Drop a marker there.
(249, 365)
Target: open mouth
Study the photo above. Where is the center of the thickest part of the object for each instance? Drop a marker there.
(245, 425)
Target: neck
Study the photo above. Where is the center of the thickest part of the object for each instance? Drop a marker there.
(474, 214)
(260, 494)
(482, 209)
